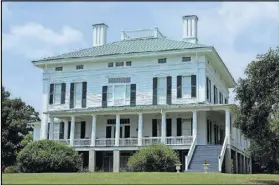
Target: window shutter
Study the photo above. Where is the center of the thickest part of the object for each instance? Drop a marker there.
(133, 95)
(209, 83)
(72, 92)
(179, 87)
(127, 131)
(178, 127)
(84, 94)
(51, 89)
(82, 129)
(193, 85)
(169, 85)
(214, 94)
(104, 96)
(154, 127)
(61, 130)
(155, 90)
(69, 129)
(63, 93)
(191, 126)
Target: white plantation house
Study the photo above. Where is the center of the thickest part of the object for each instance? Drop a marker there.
(110, 100)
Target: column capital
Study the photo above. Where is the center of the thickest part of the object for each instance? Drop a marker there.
(139, 113)
(73, 117)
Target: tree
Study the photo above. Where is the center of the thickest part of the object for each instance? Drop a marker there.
(258, 97)
(14, 118)
(154, 158)
(48, 156)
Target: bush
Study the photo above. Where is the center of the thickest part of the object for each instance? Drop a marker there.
(154, 158)
(48, 156)
(11, 169)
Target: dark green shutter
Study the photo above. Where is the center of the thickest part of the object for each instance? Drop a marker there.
(69, 129)
(133, 95)
(61, 130)
(72, 93)
(84, 94)
(179, 87)
(154, 127)
(127, 131)
(214, 94)
(207, 88)
(168, 127)
(155, 91)
(193, 86)
(82, 129)
(191, 126)
(179, 127)
(63, 93)
(169, 85)
(104, 96)
(51, 89)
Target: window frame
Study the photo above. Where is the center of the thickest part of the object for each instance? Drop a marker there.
(110, 64)
(75, 95)
(128, 62)
(80, 67)
(162, 60)
(58, 67)
(186, 60)
(182, 87)
(117, 64)
(58, 94)
(127, 97)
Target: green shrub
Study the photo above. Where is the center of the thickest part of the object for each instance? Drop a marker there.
(48, 156)
(11, 169)
(154, 158)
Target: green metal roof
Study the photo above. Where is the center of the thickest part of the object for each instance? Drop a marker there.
(129, 46)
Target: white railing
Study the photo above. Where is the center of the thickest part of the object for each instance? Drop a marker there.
(65, 141)
(82, 142)
(150, 140)
(105, 142)
(190, 153)
(179, 140)
(222, 154)
(128, 141)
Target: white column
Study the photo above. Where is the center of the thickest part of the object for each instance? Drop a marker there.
(66, 122)
(140, 129)
(116, 160)
(93, 131)
(72, 134)
(228, 125)
(163, 128)
(117, 131)
(92, 160)
(51, 128)
(195, 124)
(44, 120)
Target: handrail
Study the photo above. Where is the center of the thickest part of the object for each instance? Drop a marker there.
(222, 154)
(190, 153)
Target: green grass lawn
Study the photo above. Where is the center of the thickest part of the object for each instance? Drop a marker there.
(138, 178)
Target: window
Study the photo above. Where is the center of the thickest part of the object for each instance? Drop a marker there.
(161, 90)
(186, 86)
(78, 94)
(208, 89)
(162, 60)
(215, 95)
(109, 93)
(220, 98)
(118, 64)
(186, 59)
(129, 63)
(119, 80)
(118, 94)
(78, 67)
(58, 68)
(110, 64)
(57, 93)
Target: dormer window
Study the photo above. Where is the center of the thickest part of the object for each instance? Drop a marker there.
(186, 59)
(162, 60)
(58, 68)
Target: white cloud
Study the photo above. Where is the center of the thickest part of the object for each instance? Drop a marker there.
(33, 40)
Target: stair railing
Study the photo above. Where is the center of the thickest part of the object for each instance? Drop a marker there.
(222, 154)
(190, 153)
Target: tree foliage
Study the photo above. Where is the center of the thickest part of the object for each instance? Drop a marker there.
(48, 156)
(258, 97)
(14, 118)
(154, 158)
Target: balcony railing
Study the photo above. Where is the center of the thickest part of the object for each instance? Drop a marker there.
(150, 140)
(105, 142)
(65, 141)
(82, 142)
(128, 141)
(179, 140)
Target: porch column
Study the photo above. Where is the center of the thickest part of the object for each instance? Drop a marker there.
(117, 131)
(92, 160)
(195, 124)
(228, 125)
(93, 131)
(244, 163)
(51, 128)
(116, 160)
(250, 165)
(45, 102)
(228, 159)
(72, 134)
(236, 162)
(66, 122)
(163, 127)
(140, 129)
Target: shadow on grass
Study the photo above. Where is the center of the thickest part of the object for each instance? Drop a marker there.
(265, 182)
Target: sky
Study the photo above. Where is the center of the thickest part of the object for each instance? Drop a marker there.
(34, 30)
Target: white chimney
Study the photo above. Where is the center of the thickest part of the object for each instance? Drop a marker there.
(99, 34)
(190, 28)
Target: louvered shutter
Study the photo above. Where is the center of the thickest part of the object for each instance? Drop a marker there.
(84, 94)
(193, 86)
(169, 86)
(51, 89)
(133, 95)
(104, 96)
(155, 81)
(63, 93)
(72, 92)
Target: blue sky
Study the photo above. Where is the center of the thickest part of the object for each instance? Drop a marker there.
(238, 31)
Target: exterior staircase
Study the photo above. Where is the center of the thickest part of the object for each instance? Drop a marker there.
(205, 152)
